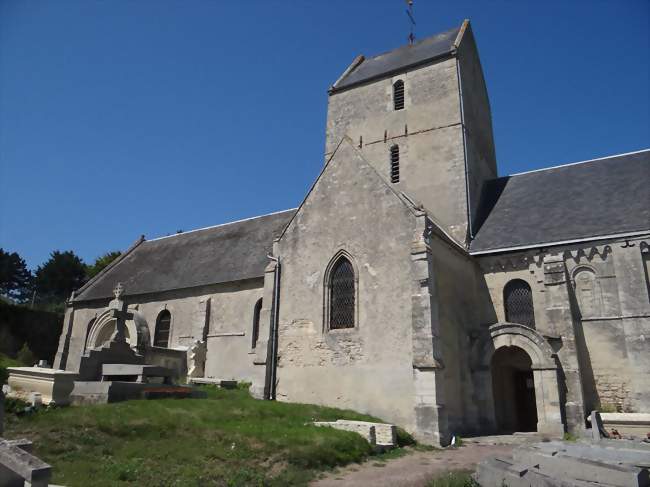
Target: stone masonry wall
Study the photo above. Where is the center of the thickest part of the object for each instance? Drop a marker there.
(227, 307)
(367, 368)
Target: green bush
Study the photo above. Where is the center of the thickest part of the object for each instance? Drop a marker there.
(4, 363)
(15, 406)
(26, 356)
(404, 438)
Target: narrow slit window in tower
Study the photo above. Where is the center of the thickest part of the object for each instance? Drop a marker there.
(394, 164)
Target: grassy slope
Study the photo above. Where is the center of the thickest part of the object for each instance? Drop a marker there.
(227, 439)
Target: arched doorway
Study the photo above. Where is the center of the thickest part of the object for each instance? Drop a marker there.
(517, 352)
(513, 389)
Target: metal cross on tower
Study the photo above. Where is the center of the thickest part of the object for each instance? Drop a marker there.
(409, 12)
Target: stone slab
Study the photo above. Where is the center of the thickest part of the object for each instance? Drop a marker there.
(607, 454)
(366, 431)
(96, 392)
(560, 466)
(379, 435)
(53, 385)
(499, 472)
(18, 466)
(225, 383)
(139, 372)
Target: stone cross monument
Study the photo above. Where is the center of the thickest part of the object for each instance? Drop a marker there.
(121, 314)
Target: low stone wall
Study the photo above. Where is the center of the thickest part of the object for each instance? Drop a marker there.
(379, 435)
(627, 424)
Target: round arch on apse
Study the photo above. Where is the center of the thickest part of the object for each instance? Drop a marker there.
(102, 330)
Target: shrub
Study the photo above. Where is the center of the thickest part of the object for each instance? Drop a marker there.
(404, 438)
(15, 406)
(26, 356)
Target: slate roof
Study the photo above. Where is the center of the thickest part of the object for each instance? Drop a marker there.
(583, 200)
(228, 252)
(400, 59)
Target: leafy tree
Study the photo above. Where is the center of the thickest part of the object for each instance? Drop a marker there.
(58, 277)
(100, 263)
(15, 278)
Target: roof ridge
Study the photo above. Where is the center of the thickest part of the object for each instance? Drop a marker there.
(575, 163)
(222, 224)
(416, 43)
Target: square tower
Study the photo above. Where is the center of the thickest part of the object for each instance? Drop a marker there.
(421, 115)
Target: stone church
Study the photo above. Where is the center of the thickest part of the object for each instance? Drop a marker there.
(412, 282)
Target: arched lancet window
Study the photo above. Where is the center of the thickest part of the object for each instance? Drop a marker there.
(518, 303)
(342, 295)
(163, 324)
(394, 164)
(398, 95)
(256, 322)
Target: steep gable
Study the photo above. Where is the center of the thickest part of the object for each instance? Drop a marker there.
(347, 170)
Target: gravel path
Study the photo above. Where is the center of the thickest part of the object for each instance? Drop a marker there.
(418, 468)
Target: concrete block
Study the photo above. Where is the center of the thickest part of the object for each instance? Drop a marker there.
(560, 466)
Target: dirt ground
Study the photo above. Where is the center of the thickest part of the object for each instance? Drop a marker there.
(419, 467)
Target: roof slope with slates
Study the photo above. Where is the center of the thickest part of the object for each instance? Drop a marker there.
(596, 198)
(224, 253)
(401, 59)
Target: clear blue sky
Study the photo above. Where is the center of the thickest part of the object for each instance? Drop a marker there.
(121, 118)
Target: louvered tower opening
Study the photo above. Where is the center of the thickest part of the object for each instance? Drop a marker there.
(398, 95)
(394, 164)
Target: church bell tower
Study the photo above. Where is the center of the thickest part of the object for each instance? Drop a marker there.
(420, 115)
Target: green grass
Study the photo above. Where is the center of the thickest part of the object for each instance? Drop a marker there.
(227, 439)
(454, 479)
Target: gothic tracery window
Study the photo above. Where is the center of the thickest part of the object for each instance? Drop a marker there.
(163, 325)
(256, 323)
(518, 303)
(342, 294)
(398, 95)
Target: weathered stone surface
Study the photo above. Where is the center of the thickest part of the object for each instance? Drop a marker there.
(571, 464)
(17, 465)
(380, 435)
(53, 385)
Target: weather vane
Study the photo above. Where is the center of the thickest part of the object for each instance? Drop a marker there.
(409, 12)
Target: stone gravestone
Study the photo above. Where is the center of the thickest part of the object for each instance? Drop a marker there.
(118, 350)
(598, 431)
